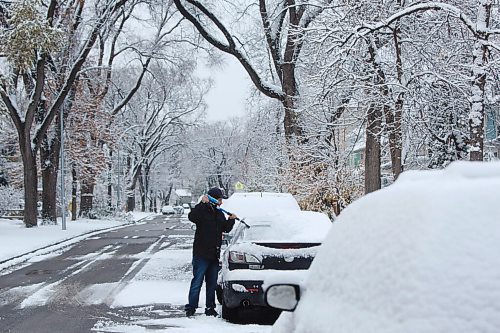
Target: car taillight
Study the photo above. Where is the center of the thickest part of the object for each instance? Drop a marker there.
(242, 258)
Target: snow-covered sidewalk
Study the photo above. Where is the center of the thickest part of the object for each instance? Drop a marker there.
(18, 244)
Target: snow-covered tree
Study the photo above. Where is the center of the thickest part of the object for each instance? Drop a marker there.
(32, 96)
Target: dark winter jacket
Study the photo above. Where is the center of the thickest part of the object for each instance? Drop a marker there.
(210, 224)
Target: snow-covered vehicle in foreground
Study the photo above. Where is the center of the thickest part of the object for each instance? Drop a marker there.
(419, 256)
(279, 245)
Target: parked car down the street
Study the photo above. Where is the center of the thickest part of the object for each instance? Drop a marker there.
(279, 246)
(420, 256)
(179, 210)
(167, 210)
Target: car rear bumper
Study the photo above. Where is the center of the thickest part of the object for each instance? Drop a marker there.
(249, 285)
(239, 293)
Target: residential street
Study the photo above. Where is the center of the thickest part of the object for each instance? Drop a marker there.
(127, 280)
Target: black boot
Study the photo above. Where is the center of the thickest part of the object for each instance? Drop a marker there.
(190, 312)
(211, 312)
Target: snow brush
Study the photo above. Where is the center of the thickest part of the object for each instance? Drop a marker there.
(215, 202)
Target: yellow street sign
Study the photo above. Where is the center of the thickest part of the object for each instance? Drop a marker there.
(239, 186)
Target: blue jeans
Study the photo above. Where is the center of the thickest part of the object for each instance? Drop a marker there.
(203, 269)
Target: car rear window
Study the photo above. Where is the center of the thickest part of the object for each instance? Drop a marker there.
(259, 232)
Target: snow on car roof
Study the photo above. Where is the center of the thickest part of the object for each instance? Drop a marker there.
(250, 204)
(261, 195)
(418, 256)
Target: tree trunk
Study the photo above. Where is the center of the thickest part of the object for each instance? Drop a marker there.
(130, 201)
(374, 122)
(147, 198)
(74, 188)
(30, 183)
(151, 199)
(395, 139)
(49, 161)
(142, 191)
(372, 150)
(395, 127)
(130, 189)
(110, 183)
(130, 193)
(479, 59)
(169, 192)
(87, 198)
(291, 120)
(330, 139)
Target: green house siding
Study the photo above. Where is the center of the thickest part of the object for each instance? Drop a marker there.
(491, 125)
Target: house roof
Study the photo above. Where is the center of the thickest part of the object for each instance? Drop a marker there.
(181, 192)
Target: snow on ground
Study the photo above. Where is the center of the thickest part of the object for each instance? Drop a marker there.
(17, 240)
(164, 279)
(197, 324)
(420, 256)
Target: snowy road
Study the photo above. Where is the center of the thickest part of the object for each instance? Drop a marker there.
(134, 279)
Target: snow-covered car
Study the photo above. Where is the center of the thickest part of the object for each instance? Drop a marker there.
(167, 210)
(280, 246)
(418, 256)
(257, 204)
(178, 210)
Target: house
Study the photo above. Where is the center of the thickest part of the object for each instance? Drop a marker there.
(181, 196)
(492, 135)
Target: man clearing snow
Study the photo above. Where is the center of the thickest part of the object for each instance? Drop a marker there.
(210, 224)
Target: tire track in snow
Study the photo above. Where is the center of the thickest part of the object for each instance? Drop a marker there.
(49, 290)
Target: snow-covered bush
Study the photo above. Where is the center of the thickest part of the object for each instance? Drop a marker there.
(10, 198)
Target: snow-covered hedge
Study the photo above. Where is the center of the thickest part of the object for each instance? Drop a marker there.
(10, 198)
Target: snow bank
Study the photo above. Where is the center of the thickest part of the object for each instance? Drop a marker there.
(418, 256)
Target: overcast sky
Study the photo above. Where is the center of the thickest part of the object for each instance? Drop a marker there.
(231, 86)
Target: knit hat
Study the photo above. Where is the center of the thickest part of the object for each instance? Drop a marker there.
(217, 193)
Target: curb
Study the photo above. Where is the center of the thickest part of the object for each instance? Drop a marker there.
(6, 263)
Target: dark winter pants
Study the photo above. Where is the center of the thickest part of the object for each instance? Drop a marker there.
(203, 268)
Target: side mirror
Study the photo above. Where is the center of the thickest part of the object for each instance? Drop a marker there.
(193, 227)
(283, 296)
